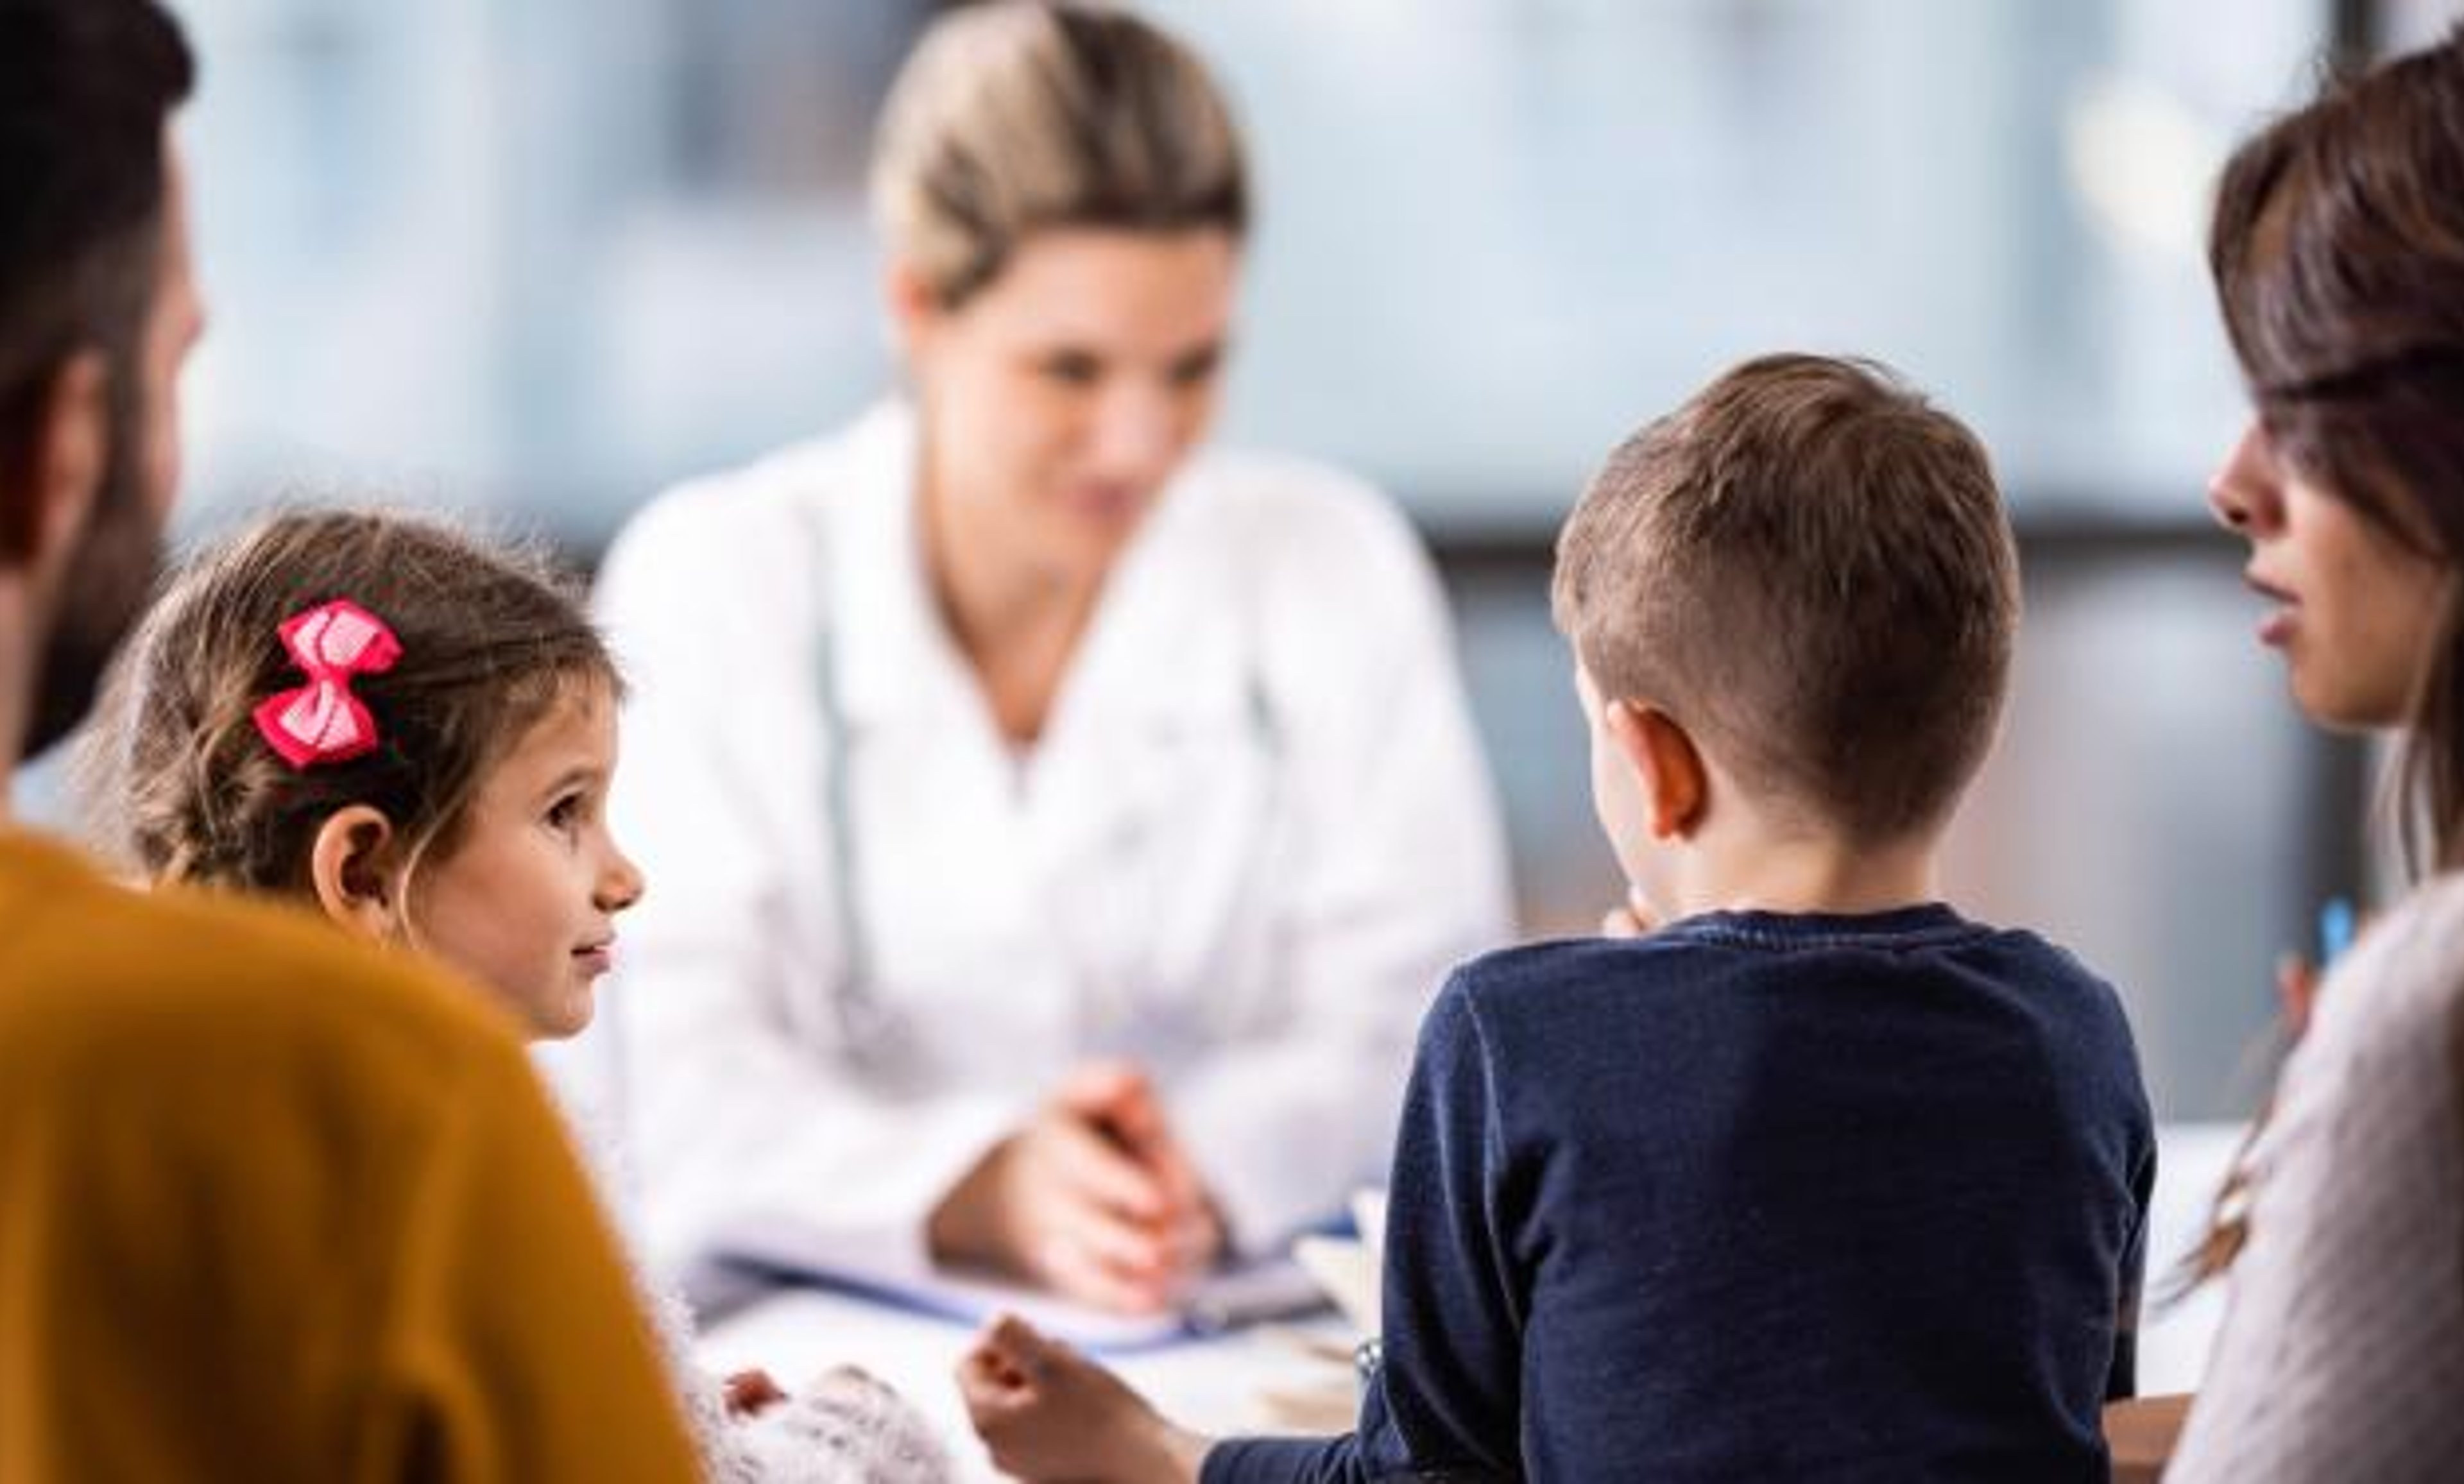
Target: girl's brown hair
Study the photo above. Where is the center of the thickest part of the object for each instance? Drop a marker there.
(2338, 252)
(183, 787)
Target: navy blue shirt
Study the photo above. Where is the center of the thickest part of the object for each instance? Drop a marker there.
(1757, 1197)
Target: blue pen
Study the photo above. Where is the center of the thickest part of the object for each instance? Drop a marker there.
(2334, 930)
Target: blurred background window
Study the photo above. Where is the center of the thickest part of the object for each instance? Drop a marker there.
(542, 259)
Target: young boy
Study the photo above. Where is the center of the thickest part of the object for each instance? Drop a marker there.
(1817, 1181)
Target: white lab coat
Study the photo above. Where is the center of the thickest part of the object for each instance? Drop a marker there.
(1254, 834)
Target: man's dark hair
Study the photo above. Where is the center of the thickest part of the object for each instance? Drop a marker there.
(86, 88)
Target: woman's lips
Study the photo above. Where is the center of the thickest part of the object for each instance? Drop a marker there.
(2276, 625)
(1111, 504)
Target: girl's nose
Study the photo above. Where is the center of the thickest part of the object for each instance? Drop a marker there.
(2242, 492)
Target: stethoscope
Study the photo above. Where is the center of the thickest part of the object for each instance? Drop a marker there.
(878, 1036)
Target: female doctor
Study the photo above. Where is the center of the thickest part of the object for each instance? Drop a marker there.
(1058, 828)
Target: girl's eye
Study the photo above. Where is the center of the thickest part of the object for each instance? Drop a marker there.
(566, 813)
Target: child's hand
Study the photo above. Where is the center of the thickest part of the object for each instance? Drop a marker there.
(1632, 919)
(748, 1391)
(1047, 1412)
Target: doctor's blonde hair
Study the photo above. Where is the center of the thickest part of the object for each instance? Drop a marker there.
(1020, 115)
(178, 784)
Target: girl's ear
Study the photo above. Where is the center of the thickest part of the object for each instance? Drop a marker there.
(1676, 785)
(352, 867)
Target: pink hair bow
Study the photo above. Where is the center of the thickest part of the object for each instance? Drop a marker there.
(322, 722)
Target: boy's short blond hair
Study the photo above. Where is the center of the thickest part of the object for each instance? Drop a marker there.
(1808, 567)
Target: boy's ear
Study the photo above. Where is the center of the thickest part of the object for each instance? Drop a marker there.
(1675, 784)
(57, 460)
(352, 867)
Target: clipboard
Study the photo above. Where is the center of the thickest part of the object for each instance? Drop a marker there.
(1248, 1292)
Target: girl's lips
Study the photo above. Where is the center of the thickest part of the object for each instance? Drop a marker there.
(598, 960)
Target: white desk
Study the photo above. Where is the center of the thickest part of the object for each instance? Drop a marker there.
(2173, 1339)
(1214, 1385)
(1210, 1385)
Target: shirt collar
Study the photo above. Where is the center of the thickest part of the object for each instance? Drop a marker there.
(1167, 623)
(890, 651)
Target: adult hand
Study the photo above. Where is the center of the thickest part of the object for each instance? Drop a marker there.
(2296, 993)
(1120, 1102)
(1093, 1198)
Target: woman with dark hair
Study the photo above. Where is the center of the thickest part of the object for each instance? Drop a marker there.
(2338, 251)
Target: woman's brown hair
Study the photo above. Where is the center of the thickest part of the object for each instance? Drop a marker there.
(2338, 252)
(183, 788)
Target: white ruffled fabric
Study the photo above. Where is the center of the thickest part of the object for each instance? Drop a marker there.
(843, 1426)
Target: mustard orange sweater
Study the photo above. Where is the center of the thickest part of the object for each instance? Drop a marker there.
(277, 1207)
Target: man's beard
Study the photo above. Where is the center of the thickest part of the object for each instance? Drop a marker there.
(109, 577)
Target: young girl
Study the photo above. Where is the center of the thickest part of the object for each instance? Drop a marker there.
(378, 716)
(2338, 251)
